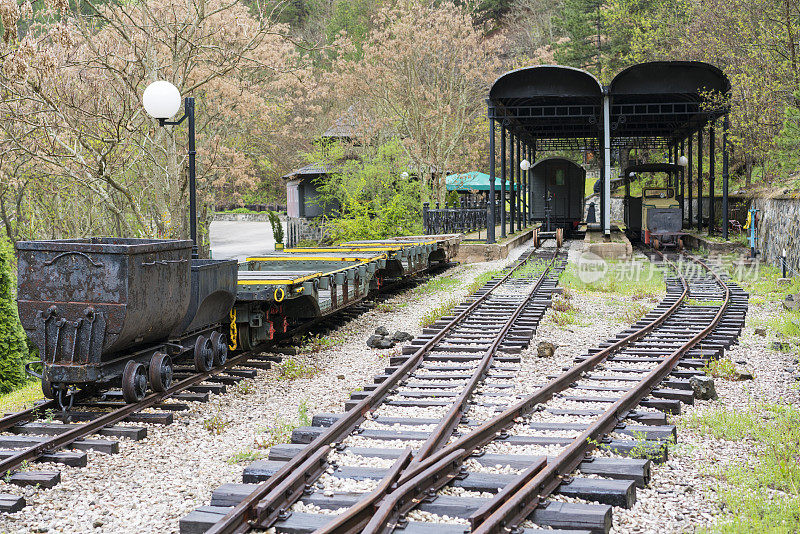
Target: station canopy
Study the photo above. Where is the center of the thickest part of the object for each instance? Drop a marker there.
(652, 105)
(472, 181)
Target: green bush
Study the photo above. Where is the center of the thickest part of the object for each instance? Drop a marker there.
(277, 227)
(13, 342)
(371, 196)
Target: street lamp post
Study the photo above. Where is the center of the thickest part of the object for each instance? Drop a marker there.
(162, 100)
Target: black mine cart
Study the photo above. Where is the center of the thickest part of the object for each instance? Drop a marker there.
(118, 310)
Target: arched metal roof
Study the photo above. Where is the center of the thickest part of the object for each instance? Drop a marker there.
(669, 79)
(652, 104)
(666, 100)
(558, 159)
(549, 102)
(545, 82)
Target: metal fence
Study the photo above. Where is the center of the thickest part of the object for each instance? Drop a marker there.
(251, 207)
(470, 216)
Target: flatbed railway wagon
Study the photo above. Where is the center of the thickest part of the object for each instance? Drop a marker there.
(654, 218)
(108, 312)
(282, 290)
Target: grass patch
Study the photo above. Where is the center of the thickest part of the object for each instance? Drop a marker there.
(761, 281)
(280, 431)
(722, 368)
(431, 316)
(291, 368)
(696, 302)
(764, 494)
(245, 456)
(440, 283)
(564, 318)
(390, 307)
(562, 304)
(216, 424)
(532, 268)
(21, 399)
(633, 312)
(482, 279)
(635, 278)
(315, 343)
(787, 323)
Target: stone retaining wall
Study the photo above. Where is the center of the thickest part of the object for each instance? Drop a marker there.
(779, 228)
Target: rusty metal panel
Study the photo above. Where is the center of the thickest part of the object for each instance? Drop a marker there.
(85, 299)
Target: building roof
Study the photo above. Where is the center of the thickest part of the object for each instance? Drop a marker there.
(472, 181)
(346, 126)
(314, 169)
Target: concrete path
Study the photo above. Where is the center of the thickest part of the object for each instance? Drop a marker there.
(240, 239)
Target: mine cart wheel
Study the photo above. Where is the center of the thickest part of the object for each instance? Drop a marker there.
(680, 244)
(47, 389)
(559, 237)
(656, 244)
(134, 382)
(203, 354)
(220, 348)
(160, 372)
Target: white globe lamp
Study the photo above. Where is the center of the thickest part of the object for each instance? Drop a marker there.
(524, 164)
(682, 161)
(161, 99)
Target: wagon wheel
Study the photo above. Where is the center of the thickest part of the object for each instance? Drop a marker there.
(245, 343)
(559, 237)
(134, 382)
(680, 244)
(160, 372)
(656, 244)
(47, 389)
(203, 354)
(219, 347)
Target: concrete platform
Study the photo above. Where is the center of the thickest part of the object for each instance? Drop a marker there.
(617, 247)
(693, 240)
(477, 252)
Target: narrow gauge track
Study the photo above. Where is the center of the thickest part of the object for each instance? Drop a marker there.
(34, 434)
(541, 439)
(475, 344)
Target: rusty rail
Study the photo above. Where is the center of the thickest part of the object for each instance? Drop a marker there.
(350, 520)
(252, 510)
(432, 467)
(517, 507)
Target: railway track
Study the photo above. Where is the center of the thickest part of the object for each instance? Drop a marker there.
(479, 341)
(45, 433)
(429, 451)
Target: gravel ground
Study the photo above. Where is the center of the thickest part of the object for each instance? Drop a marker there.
(151, 484)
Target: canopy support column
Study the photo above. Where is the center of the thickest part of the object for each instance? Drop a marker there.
(530, 183)
(502, 179)
(524, 192)
(519, 185)
(725, 214)
(689, 179)
(512, 199)
(700, 179)
(490, 223)
(683, 182)
(711, 177)
(606, 163)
